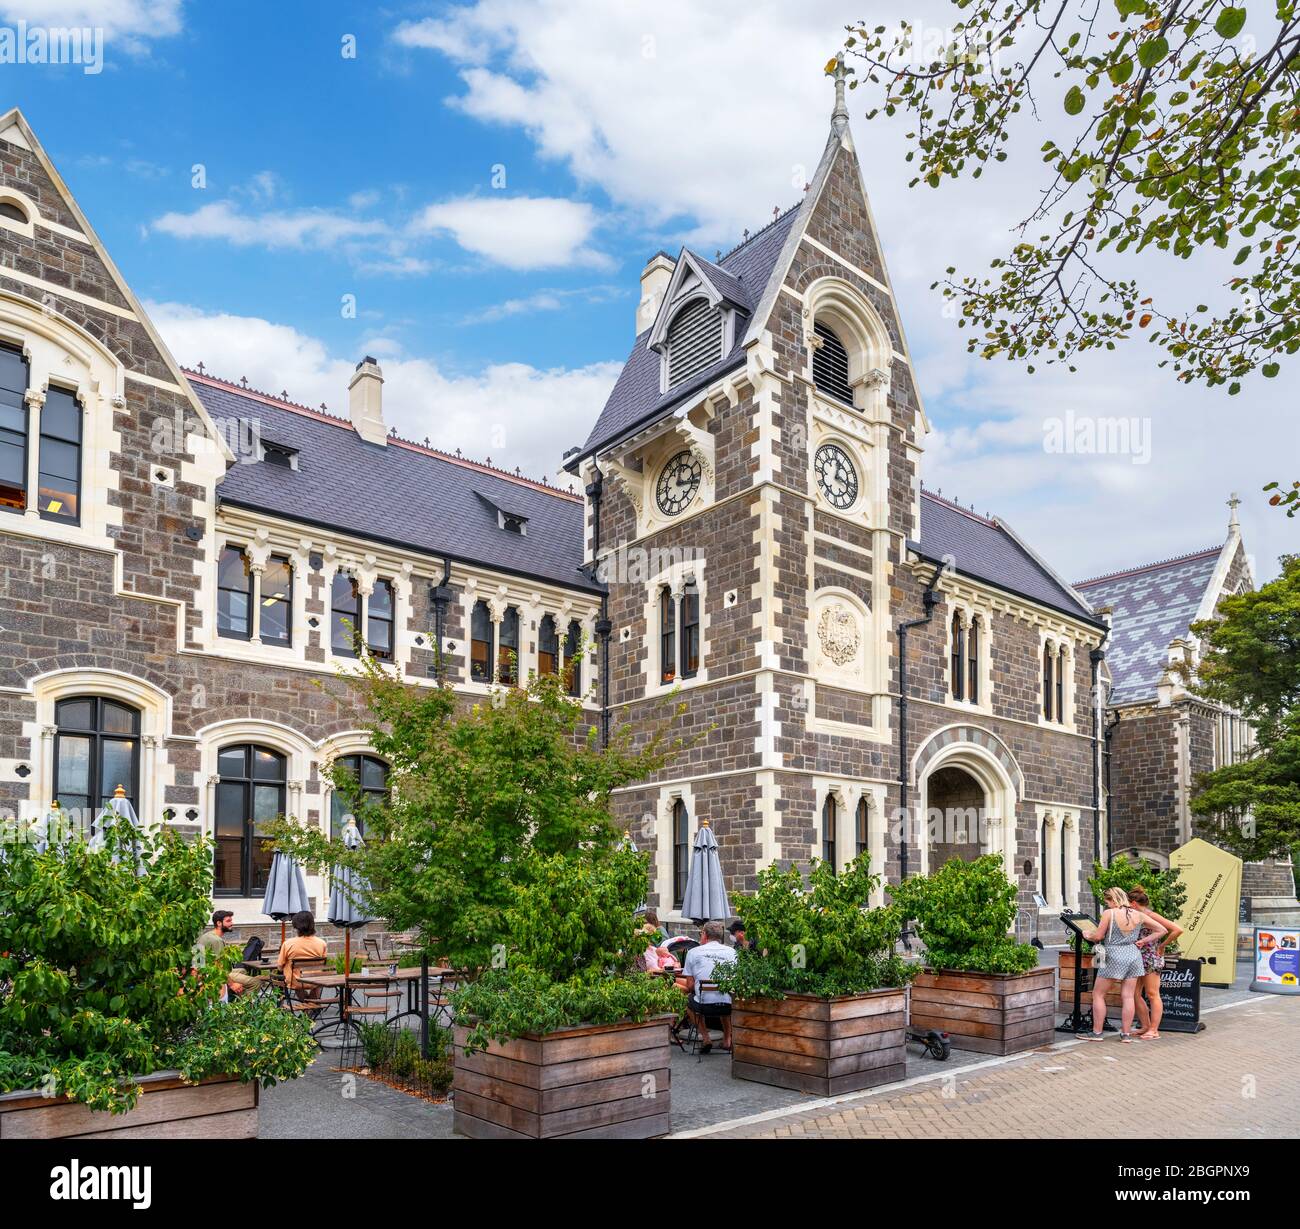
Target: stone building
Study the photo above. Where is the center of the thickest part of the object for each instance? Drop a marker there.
(187, 562)
(1159, 736)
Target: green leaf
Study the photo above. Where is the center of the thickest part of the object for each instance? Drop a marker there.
(1230, 23)
(1152, 52)
(1270, 369)
(1074, 101)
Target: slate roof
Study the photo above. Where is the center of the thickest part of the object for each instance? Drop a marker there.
(983, 548)
(741, 276)
(1152, 606)
(402, 494)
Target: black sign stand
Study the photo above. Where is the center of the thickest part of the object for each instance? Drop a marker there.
(1180, 991)
(1079, 1021)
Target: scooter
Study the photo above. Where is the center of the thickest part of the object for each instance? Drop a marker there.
(936, 1043)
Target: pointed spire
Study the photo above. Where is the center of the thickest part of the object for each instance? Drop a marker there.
(840, 72)
(1233, 503)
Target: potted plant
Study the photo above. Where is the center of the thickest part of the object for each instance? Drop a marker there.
(563, 1036)
(979, 985)
(1165, 891)
(819, 1002)
(110, 1022)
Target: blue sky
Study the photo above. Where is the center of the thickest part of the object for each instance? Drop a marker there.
(488, 178)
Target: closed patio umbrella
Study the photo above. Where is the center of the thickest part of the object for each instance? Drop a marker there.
(705, 898)
(629, 843)
(348, 908)
(118, 813)
(286, 890)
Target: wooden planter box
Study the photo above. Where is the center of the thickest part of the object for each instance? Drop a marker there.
(1066, 968)
(819, 1045)
(168, 1108)
(607, 1081)
(993, 1013)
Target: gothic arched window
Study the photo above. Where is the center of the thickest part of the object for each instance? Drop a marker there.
(957, 668)
(831, 365)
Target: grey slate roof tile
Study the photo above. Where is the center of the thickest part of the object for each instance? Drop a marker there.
(1152, 606)
(399, 494)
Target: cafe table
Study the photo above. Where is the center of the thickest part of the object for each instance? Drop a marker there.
(411, 976)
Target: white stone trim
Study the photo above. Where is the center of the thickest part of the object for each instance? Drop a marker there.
(675, 576)
(663, 836)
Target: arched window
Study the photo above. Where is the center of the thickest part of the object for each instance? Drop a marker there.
(690, 619)
(250, 794)
(829, 810)
(508, 647)
(831, 365)
(345, 615)
(371, 776)
(11, 211)
(480, 644)
(1044, 855)
(973, 662)
(548, 646)
(58, 494)
(1047, 681)
(667, 636)
(694, 341)
(572, 665)
(96, 749)
(862, 828)
(275, 621)
(13, 429)
(957, 669)
(1060, 684)
(681, 852)
(234, 594)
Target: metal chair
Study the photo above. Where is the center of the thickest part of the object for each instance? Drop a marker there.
(713, 1016)
(374, 1008)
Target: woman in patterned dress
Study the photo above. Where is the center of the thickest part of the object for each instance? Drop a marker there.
(1150, 1007)
(1125, 932)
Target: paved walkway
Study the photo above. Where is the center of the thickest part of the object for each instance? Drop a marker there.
(1238, 1079)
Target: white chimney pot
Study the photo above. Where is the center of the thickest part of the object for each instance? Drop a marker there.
(366, 401)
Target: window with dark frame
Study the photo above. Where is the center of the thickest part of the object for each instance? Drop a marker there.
(862, 829)
(234, 594)
(379, 620)
(828, 831)
(13, 429)
(572, 664)
(1042, 857)
(345, 615)
(480, 643)
(96, 749)
(548, 646)
(370, 775)
(58, 491)
(681, 852)
(250, 794)
(957, 669)
(1060, 684)
(1047, 681)
(667, 636)
(275, 620)
(973, 662)
(689, 615)
(508, 647)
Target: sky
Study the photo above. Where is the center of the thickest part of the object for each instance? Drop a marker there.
(469, 192)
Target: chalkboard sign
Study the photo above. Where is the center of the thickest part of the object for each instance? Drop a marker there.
(1244, 912)
(1180, 991)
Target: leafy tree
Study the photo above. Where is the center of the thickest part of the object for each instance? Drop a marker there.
(963, 914)
(475, 790)
(1180, 136)
(821, 939)
(1250, 661)
(100, 979)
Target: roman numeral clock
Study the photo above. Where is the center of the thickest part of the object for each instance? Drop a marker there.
(837, 478)
(678, 483)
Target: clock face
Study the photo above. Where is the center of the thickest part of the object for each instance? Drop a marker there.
(678, 483)
(836, 476)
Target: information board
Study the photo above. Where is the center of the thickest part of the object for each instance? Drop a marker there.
(1209, 915)
(1277, 960)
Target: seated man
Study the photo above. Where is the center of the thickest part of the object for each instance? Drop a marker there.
(213, 943)
(705, 1005)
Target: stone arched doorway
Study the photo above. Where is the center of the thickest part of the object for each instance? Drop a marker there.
(956, 811)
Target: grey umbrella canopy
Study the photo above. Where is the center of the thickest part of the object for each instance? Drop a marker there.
(348, 891)
(705, 898)
(628, 843)
(286, 888)
(119, 827)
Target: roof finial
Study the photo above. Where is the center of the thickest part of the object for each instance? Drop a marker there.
(840, 71)
(1233, 502)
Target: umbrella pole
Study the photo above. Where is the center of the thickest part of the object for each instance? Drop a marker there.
(347, 956)
(282, 932)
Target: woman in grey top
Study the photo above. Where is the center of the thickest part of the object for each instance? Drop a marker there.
(1124, 931)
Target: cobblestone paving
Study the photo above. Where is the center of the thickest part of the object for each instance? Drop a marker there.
(1237, 1079)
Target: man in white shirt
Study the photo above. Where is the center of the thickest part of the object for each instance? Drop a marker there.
(705, 1005)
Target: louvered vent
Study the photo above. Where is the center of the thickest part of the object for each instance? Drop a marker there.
(831, 366)
(694, 341)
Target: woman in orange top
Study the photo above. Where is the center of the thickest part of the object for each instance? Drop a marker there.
(305, 945)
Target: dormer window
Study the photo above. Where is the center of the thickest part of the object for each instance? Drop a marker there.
(831, 365)
(694, 341)
(511, 523)
(279, 454)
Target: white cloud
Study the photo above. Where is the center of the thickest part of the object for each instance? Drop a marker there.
(516, 414)
(519, 232)
(132, 24)
(302, 228)
(544, 301)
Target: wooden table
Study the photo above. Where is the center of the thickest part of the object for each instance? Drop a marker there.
(411, 976)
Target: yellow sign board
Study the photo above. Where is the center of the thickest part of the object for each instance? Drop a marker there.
(1210, 914)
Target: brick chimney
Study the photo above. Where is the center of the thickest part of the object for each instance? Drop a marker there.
(366, 401)
(654, 284)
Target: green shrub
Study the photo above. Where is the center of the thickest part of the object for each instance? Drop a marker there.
(822, 940)
(1165, 889)
(104, 981)
(963, 913)
(339, 964)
